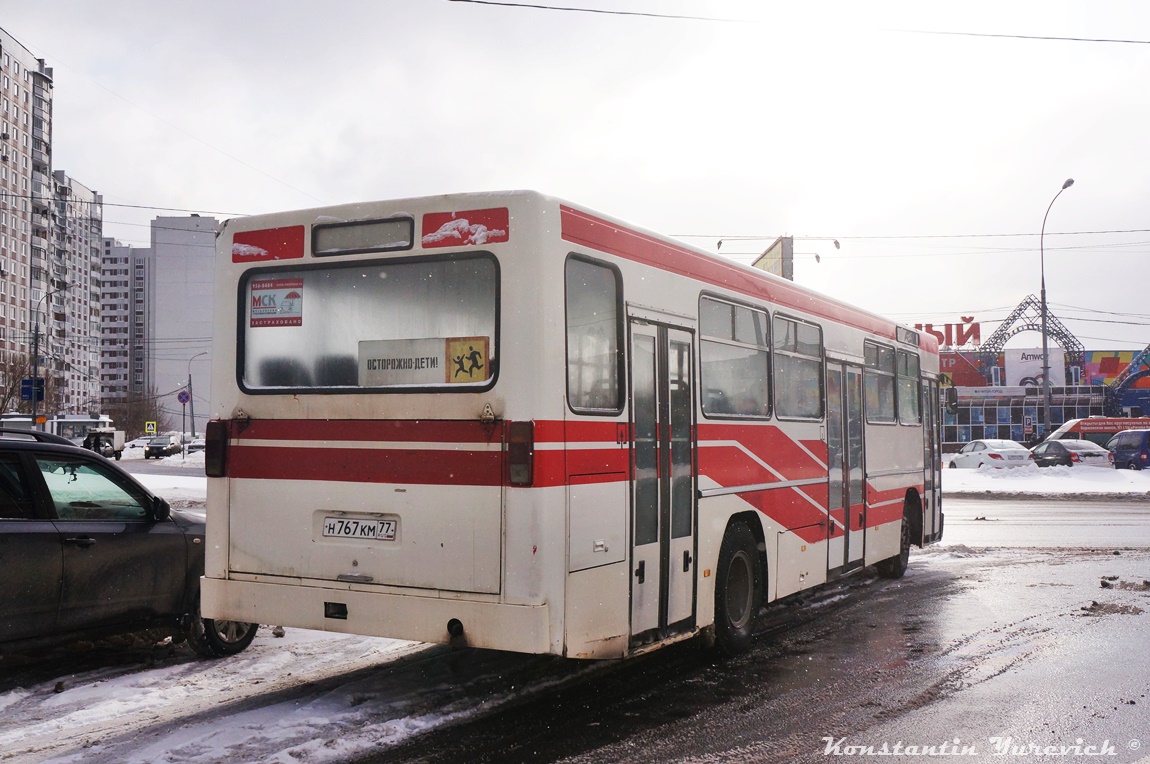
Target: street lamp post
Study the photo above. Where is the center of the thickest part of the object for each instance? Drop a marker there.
(1048, 396)
(36, 348)
(191, 395)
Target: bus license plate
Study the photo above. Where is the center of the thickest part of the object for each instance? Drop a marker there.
(346, 528)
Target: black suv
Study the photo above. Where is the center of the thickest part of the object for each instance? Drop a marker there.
(161, 446)
(87, 552)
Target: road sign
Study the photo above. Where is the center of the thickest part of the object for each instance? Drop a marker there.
(150, 428)
(26, 387)
(183, 397)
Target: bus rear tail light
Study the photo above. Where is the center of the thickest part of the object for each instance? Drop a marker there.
(216, 449)
(520, 452)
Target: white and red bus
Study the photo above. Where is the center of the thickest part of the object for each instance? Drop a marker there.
(506, 421)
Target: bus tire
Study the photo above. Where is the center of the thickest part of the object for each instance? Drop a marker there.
(218, 639)
(738, 590)
(895, 567)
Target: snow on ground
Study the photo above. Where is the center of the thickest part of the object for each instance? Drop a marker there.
(1047, 482)
(183, 491)
(328, 697)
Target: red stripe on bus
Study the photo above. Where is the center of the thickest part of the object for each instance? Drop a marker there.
(268, 244)
(390, 430)
(768, 444)
(363, 465)
(579, 227)
(792, 509)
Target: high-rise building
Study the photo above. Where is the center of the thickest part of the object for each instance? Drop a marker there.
(76, 273)
(50, 230)
(178, 305)
(116, 325)
(156, 328)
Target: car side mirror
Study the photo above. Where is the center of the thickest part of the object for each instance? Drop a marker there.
(161, 510)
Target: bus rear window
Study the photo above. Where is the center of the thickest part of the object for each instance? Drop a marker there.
(408, 324)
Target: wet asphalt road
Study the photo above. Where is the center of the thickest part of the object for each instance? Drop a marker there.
(138, 466)
(1024, 631)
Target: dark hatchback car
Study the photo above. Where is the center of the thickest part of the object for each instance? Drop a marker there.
(1070, 453)
(87, 552)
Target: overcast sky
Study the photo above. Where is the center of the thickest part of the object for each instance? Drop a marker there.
(931, 157)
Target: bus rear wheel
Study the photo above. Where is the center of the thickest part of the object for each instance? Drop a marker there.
(895, 567)
(738, 590)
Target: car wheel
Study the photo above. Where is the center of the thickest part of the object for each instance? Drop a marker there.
(953, 466)
(217, 639)
(1132, 466)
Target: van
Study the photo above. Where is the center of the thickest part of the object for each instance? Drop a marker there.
(1131, 450)
(1098, 429)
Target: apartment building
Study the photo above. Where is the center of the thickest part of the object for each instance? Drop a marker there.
(26, 193)
(49, 245)
(116, 325)
(156, 328)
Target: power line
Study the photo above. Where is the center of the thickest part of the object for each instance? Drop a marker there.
(573, 9)
(130, 206)
(1024, 36)
(541, 7)
(1096, 310)
(772, 237)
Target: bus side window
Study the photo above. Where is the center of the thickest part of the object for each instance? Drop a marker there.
(594, 337)
(735, 360)
(878, 379)
(283, 372)
(798, 350)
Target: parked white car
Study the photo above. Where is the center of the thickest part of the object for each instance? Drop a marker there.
(992, 454)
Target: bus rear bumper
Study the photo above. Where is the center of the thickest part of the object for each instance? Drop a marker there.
(493, 625)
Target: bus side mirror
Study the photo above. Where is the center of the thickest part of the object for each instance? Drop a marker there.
(951, 400)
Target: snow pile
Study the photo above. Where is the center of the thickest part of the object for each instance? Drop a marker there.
(1048, 482)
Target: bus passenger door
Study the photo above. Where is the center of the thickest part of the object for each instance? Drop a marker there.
(932, 462)
(663, 482)
(846, 503)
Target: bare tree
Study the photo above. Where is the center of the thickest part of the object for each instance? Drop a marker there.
(131, 413)
(16, 367)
